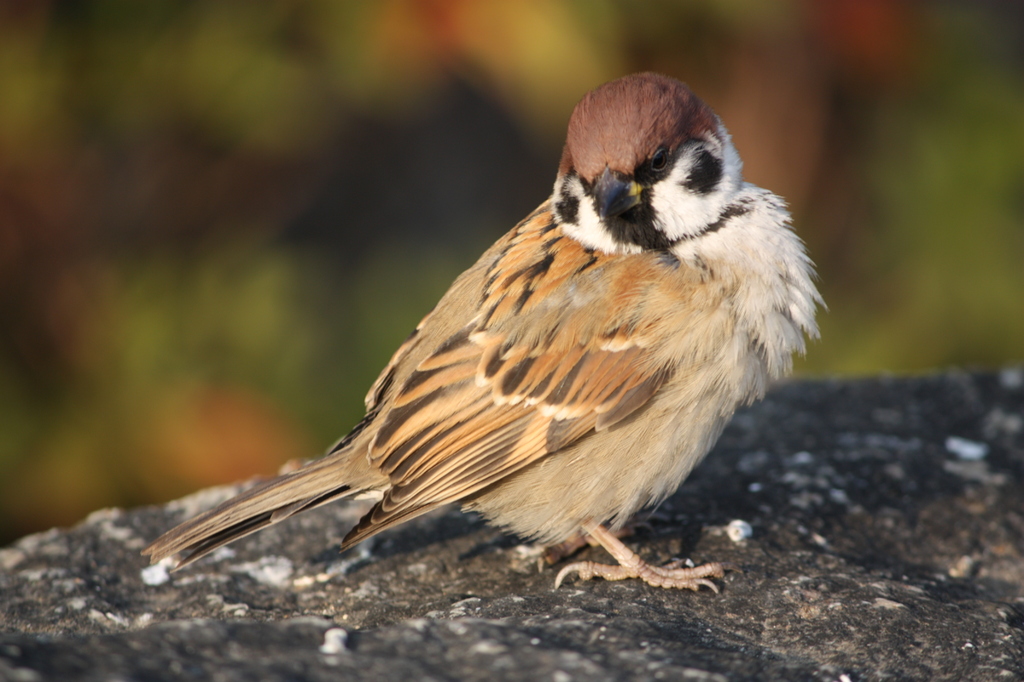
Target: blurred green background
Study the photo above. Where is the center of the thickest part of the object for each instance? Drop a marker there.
(218, 219)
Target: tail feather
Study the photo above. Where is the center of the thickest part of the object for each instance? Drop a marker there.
(369, 526)
(253, 510)
(201, 548)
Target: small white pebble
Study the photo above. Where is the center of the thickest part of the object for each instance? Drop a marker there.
(222, 554)
(1012, 378)
(418, 624)
(488, 647)
(838, 495)
(335, 640)
(156, 574)
(966, 449)
(303, 582)
(962, 568)
(120, 620)
(738, 530)
(22, 674)
(275, 571)
(345, 566)
(803, 457)
(528, 551)
(755, 487)
(9, 558)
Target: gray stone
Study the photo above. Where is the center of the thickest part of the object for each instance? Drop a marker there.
(887, 521)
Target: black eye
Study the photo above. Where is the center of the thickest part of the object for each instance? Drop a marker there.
(659, 160)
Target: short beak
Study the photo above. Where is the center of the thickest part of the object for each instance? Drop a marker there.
(615, 195)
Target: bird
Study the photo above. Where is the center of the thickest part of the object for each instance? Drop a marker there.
(587, 362)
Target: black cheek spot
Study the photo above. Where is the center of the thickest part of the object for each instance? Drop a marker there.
(568, 207)
(705, 173)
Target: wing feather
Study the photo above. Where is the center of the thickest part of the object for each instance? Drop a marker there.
(534, 372)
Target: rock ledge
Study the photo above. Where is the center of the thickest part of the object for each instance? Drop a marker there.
(888, 533)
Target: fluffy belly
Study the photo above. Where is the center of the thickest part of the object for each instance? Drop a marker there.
(610, 475)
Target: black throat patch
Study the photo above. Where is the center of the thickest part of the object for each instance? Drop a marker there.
(636, 226)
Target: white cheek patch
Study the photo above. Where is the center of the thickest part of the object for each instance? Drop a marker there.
(680, 212)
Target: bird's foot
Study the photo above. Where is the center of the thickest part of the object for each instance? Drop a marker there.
(563, 550)
(632, 566)
(656, 576)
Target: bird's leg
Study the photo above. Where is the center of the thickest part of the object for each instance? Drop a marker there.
(632, 566)
(563, 550)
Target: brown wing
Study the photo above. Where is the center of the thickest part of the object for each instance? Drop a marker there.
(557, 352)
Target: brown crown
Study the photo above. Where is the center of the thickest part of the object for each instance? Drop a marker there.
(622, 123)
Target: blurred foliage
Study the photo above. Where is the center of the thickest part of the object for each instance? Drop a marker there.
(218, 219)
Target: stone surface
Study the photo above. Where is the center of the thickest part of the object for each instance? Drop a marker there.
(888, 532)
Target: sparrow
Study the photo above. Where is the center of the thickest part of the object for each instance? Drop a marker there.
(591, 357)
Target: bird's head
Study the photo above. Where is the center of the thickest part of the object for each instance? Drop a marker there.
(646, 165)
